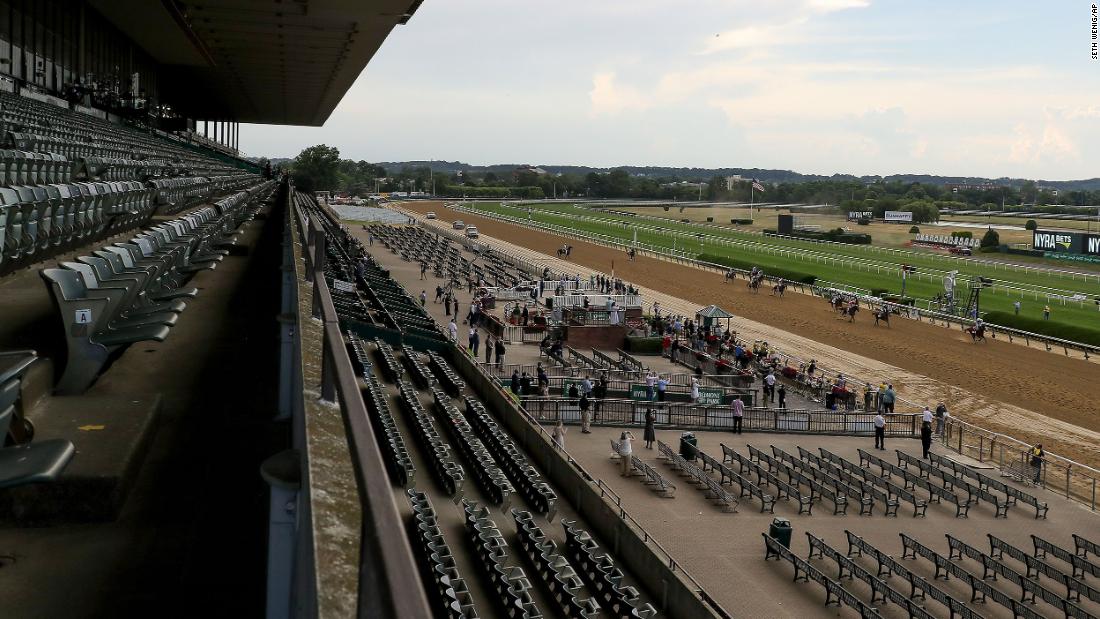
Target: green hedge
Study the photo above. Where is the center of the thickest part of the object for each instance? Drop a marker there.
(741, 222)
(1073, 333)
(900, 300)
(795, 276)
(644, 345)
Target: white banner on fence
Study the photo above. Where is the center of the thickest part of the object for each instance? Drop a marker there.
(899, 216)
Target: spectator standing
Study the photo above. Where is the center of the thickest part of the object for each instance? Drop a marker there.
(599, 392)
(662, 387)
(880, 431)
(1038, 457)
(626, 451)
(694, 390)
(941, 415)
(523, 315)
(574, 393)
(868, 395)
(423, 270)
(1046, 312)
(559, 435)
(447, 304)
(650, 384)
(438, 294)
(650, 434)
(500, 350)
(926, 439)
(1016, 307)
(452, 328)
(738, 413)
(888, 400)
(586, 386)
(423, 298)
(586, 418)
(782, 396)
(769, 385)
(525, 384)
(475, 340)
(488, 349)
(926, 418)
(514, 385)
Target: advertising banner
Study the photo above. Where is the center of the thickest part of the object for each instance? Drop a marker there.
(899, 216)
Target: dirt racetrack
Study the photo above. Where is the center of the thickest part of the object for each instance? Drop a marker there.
(1047, 384)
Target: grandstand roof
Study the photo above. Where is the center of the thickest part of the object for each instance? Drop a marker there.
(261, 61)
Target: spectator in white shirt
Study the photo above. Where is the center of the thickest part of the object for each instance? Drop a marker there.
(880, 432)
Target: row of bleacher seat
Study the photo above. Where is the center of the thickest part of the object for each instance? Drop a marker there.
(652, 477)
(985, 483)
(804, 571)
(713, 489)
(801, 473)
(525, 477)
(1079, 562)
(448, 591)
(444, 258)
(446, 374)
(1034, 566)
(919, 586)
(509, 584)
(421, 376)
(980, 590)
(486, 472)
(748, 487)
(48, 128)
(881, 487)
(389, 305)
(881, 591)
(398, 462)
(825, 484)
(132, 291)
(559, 578)
(603, 579)
(392, 369)
(447, 471)
(853, 486)
(768, 477)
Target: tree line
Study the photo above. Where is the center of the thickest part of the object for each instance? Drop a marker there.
(320, 168)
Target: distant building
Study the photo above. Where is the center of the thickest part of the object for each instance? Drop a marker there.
(528, 168)
(731, 181)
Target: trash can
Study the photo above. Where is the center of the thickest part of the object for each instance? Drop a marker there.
(780, 529)
(688, 445)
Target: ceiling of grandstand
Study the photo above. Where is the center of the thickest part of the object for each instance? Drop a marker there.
(261, 61)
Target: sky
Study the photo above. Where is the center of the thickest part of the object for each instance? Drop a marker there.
(967, 88)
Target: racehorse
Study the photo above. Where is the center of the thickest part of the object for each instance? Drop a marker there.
(779, 288)
(563, 251)
(754, 284)
(837, 303)
(977, 334)
(851, 312)
(730, 276)
(882, 315)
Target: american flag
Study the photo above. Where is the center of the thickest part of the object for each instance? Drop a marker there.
(756, 185)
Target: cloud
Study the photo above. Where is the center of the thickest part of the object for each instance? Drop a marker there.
(609, 97)
(788, 27)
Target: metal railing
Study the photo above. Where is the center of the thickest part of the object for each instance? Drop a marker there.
(396, 590)
(1073, 480)
(618, 412)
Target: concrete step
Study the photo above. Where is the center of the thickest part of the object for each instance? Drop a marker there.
(111, 435)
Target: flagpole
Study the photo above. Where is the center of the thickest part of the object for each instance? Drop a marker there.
(752, 190)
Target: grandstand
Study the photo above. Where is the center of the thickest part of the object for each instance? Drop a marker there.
(218, 400)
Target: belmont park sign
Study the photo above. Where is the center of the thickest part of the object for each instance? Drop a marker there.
(1068, 245)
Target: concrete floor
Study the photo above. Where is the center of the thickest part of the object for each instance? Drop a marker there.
(190, 540)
